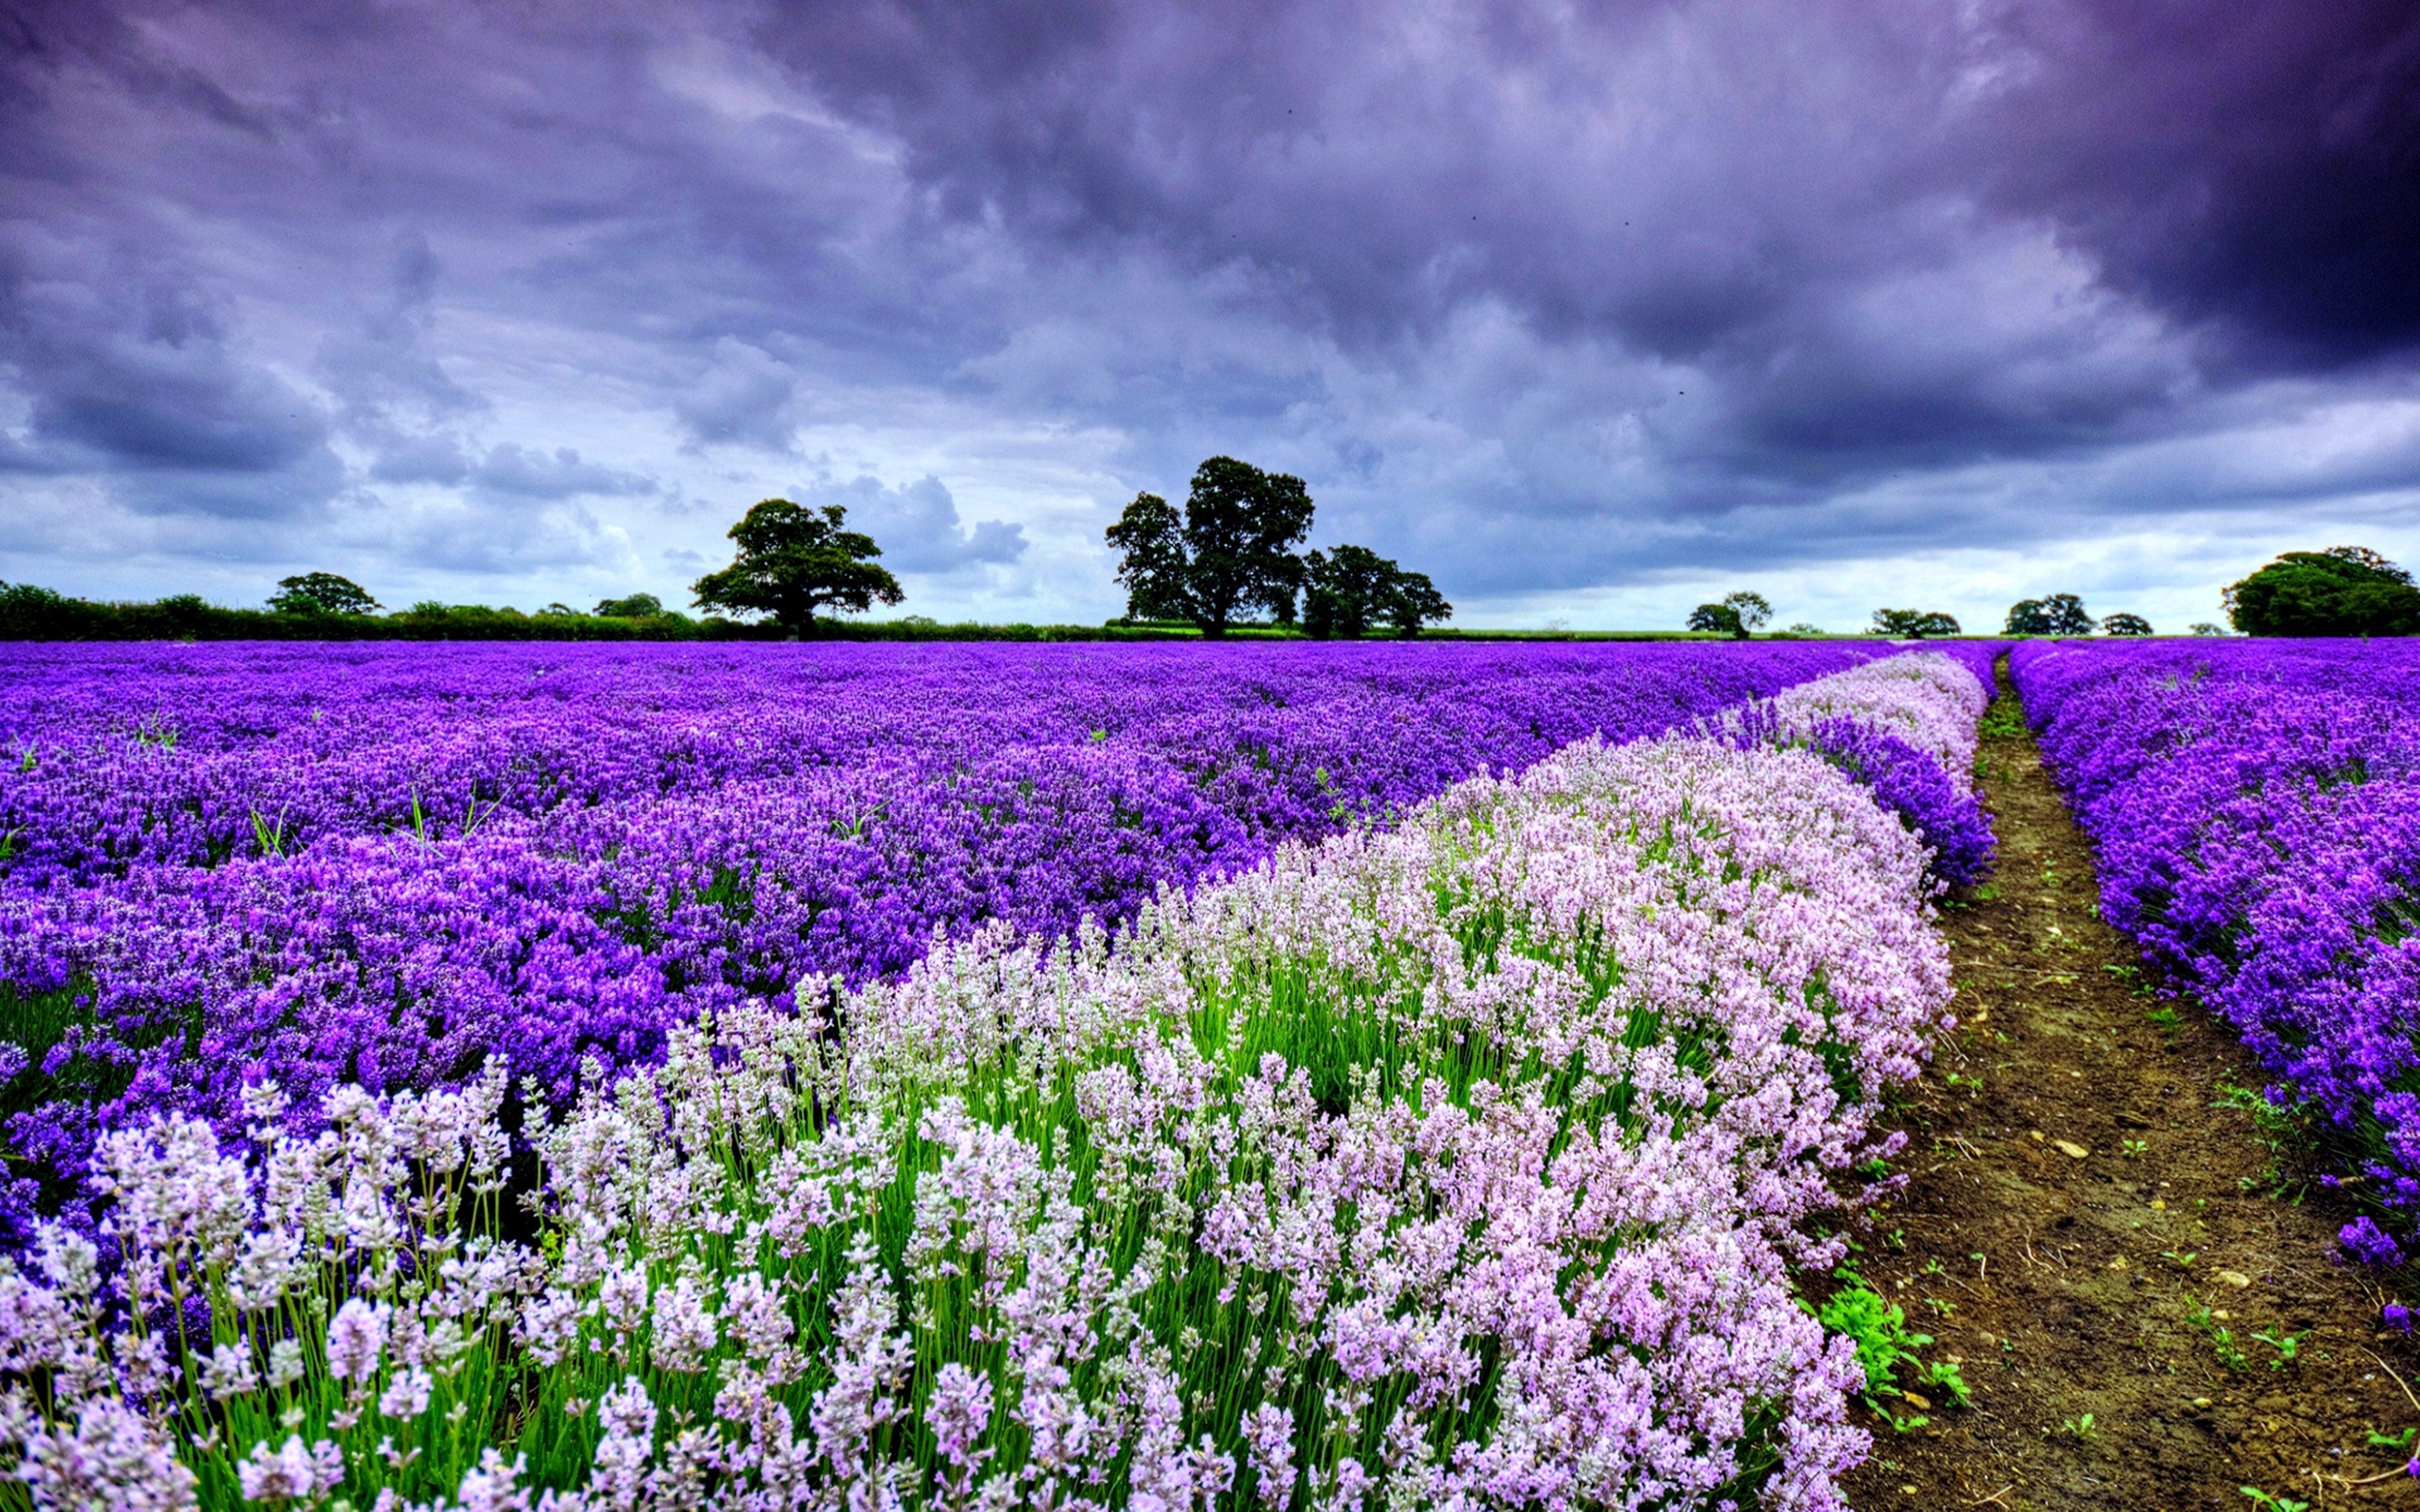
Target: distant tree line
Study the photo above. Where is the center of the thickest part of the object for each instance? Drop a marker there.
(1229, 561)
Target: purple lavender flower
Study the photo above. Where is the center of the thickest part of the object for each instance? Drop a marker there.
(2368, 1244)
(2254, 808)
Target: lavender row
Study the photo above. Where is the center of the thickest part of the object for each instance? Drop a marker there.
(2256, 812)
(382, 865)
(1465, 1163)
(127, 758)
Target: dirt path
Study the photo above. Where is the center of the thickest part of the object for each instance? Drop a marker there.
(2078, 1197)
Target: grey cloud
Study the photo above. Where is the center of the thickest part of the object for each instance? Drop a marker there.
(386, 370)
(747, 396)
(1533, 295)
(917, 525)
(527, 473)
(431, 458)
(132, 374)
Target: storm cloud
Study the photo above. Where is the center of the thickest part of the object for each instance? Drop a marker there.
(1581, 307)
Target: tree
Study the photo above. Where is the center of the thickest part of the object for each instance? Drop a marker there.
(2058, 614)
(1341, 590)
(2125, 625)
(636, 607)
(1154, 564)
(1233, 551)
(1801, 627)
(1913, 625)
(1345, 591)
(1241, 526)
(1414, 600)
(1717, 619)
(793, 561)
(1752, 610)
(2205, 627)
(322, 592)
(2346, 590)
(1348, 590)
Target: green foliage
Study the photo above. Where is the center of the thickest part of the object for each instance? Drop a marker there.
(2346, 590)
(636, 607)
(1752, 610)
(1717, 619)
(2125, 625)
(1414, 602)
(2058, 614)
(2274, 1503)
(1231, 552)
(1913, 625)
(1736, 615)
(1153, 563)
(322, 592)
(1241, 526)
(2005, 719)
(794, 559)
(2222, 1340)
(1348, 590)
(1345, 590)
(2205, 627)
(1877, 1328)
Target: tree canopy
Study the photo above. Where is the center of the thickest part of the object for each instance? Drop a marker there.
(794, 559)
(2125, 625)
(1752, 610)
(1913, 625)
(322, 592)
(1348, 590)
(635, 606)
(1232, 552)
(1241, 526)
(1153, 563)
(2345, 589)
(1717, 619)
(2058, 614)
(1414, 602)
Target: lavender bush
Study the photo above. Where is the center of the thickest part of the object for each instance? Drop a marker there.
(2255, 812)
(382, 865)
(1458, 1164)
(1904, 729)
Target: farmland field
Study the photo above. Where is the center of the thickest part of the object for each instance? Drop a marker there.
(380, 866)
(841, 1077)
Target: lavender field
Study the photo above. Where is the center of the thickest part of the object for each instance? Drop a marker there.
(2255, 806)
(856, 1077)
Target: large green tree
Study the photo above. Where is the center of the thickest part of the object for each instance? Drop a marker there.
(1912, 623)
(1345, 591)
(1153, 561)
(2058, 614)
(1233, 551)
(1351, 588)
(2345, 589)
(1412, 600)
(1752, 610)
(322, 592)
(1241, 528)
(793, 561)
(1717, 619)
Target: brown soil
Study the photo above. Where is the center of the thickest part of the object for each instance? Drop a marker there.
(2061, 1282)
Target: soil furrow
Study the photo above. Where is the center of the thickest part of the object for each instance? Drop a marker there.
(2143, 1296)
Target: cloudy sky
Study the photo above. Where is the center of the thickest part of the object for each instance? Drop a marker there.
(1592, 310)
